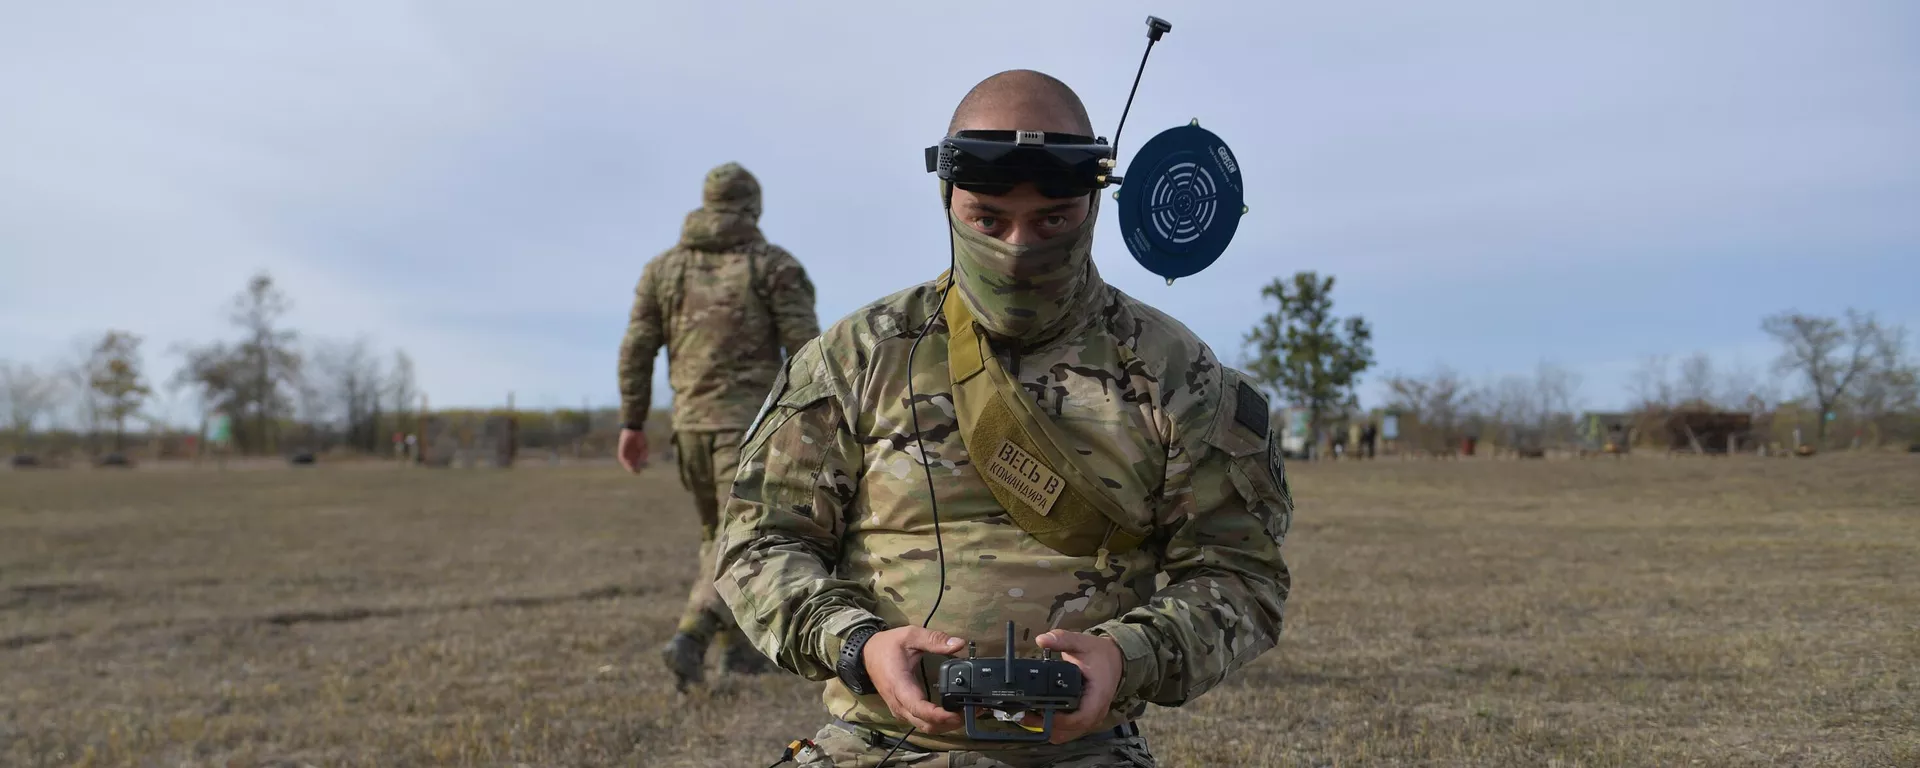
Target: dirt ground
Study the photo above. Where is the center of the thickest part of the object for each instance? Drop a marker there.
(1709, 612)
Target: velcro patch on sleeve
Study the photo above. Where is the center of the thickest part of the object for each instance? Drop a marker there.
(1250, 409)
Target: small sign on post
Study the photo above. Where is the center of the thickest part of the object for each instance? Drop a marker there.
(219, 435)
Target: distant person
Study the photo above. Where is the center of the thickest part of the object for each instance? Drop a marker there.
(729, 307)
(1159, 461)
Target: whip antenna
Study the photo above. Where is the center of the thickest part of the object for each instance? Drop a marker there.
(1156, 27)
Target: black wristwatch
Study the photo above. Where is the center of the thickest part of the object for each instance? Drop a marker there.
(852, 668)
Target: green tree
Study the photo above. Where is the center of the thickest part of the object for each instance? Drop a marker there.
(1305, 355)
(113, 372)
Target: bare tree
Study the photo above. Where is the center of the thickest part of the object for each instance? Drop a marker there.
(267, 349)
(351, 389)
(1891, 384)
(402, 390)
(214, 374)
(256, 376)
(1510, 409)
(1697, 382)
(1651, 385)
(312, 408)
(84, 411)
(1556, 389)
(1831, 359)
(1739, 386)
(1436, 402)
(27, 394)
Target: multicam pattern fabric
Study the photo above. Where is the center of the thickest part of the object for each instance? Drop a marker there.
(725, 303)
(836, 746)
(831, 525)
(708, 461)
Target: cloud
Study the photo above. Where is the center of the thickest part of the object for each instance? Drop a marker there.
(479, 183)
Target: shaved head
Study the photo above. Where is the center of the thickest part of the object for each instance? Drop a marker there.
(1021, 100)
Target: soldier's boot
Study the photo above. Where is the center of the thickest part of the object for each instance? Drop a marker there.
(686, 657)
(739, 657)
(686, 654)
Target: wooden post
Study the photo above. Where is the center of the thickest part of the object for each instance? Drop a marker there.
(420, 432)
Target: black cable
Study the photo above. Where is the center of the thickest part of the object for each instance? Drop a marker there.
(1129, 108)
(913, 408)
(896, 748)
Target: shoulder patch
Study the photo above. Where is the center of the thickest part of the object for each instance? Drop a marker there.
(1239, 421)
(1250, 410)
(1282, 517)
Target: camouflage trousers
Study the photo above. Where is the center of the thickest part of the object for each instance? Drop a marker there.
(707, 462)
(843, 745)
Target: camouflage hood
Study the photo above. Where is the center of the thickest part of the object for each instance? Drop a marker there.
(729, 212)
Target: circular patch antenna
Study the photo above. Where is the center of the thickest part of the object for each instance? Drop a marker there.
(1181, 201)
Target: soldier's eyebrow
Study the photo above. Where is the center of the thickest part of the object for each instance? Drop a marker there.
(975, 206)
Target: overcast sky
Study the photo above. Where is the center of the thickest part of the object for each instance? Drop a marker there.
(1493, 183)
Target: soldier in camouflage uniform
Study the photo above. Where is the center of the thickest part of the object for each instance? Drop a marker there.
(726, 303)
(830, 534)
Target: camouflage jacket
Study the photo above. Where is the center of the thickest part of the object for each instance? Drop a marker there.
(829, 526)
(725, 302)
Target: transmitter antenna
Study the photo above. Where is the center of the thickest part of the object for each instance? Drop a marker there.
(1156, 27)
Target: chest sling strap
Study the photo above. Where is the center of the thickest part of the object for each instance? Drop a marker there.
(1014, 445)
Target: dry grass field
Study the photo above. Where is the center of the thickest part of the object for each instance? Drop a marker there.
(1687, 612)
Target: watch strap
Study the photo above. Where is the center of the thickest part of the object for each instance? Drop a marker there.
(852, 666)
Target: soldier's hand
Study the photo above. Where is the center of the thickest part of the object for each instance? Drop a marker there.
(633, 449)
(1100, 662)
(892, 658)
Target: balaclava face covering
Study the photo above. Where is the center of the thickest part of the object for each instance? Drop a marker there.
(1021, 292)
(729, 212)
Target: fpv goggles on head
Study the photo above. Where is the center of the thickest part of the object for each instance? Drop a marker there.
(1176, 217)
(1060, 165)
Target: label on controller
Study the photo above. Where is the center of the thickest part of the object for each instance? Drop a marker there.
(1029, 479)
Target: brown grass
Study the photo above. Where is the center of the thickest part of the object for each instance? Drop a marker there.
(1729, 612)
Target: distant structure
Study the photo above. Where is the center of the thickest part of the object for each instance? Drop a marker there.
(1295, 439)
(1708, 432)
(1606, 432)
(467, 441)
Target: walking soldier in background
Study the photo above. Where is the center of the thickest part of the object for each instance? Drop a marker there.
(726, 304)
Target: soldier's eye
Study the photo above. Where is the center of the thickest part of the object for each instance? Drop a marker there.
(986, 223)
(1055, 221)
